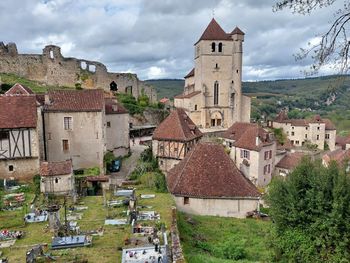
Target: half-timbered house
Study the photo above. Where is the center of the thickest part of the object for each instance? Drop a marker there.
(174, 138)
(19, 139)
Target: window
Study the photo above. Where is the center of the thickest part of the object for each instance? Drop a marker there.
(317, 137)
(4, 135)
(56, 180)
(65, 145)
(270, 154)
(218, 122)
(220, 47)
(11, 168)
(327, 135)
(108, 124)
(267, 169)
(306, 128)
(245, 154)
(292, 133)
(68, 123)
(49, 135)
(292, 128)
(216, 66)
(297, 142)
(305, 136)
(266, 155)
(213, 122)
(213, 47)
(318, 128)
(216, 93)
(195, 107)
(186, 200)
(51, 54)
(161, 162)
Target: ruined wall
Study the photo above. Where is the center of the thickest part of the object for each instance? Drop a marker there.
(51, 68)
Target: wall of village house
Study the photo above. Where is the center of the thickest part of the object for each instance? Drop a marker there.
(169, 149)
(281, 171)
(317, 129)
(217, 207)
(23, 169)
(332, 137)
(246, 108)
(86, 139)
(65, 184)
(165, 164)
(117, 135)
(189, 81)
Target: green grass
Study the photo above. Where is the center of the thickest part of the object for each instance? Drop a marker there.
(203, 238)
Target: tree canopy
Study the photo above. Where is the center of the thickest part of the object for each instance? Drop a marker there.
(333, 46)
(311, 214)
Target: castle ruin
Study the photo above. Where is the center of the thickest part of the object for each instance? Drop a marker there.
(51, 68)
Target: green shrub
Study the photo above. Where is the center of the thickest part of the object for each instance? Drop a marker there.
(95, 171)
(108, 158)
(36, 184)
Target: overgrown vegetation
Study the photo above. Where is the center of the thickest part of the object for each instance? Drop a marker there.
(137, 106)
(311, 213)
(217, 239)
(148, 173)
(280, 136)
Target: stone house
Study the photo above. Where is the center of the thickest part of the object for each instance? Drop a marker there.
(207, 182)
(19, 137)
(117, 128)
(212, 94)
(74, 124)
(288, 163)
(174, 138)
(57, 178)
(340, 156)
(342, 142)
(316, 130)
(253, 150)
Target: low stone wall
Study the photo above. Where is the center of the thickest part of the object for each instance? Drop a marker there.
(176, 249)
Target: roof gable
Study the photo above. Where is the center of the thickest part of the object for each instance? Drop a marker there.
(290, 160)
(207, 171)
(112, 106)
(18, 112)
(214, 32)
(190, 74)
(56, 168)
(19, 89)
(178, 127)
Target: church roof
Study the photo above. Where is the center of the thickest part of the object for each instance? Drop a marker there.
(190, 74)
(208, 172)
(177, 127)
(214, 32)
(187, 96)
(237, 31)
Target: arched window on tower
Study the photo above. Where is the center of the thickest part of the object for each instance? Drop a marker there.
(213, 47)
(220, 47)
(216, 93)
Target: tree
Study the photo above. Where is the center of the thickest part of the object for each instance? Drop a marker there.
(311, 214)
(333, 47)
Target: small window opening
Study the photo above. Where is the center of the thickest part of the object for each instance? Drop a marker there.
(56, 180)
(92, 68)
(186, 200)
(220, 47)
(113, 86)
(51, 54)
(83, 65)
(195, 107)
(216, 66)
(213, 47)
(108, 124)
(11, 168)
(237, 71)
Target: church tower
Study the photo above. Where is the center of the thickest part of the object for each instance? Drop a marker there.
(213, 89)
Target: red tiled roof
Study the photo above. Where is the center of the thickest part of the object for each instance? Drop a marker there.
(164, 100)
(100, 178)
(75, 100)
(237, 31)
(245, 134)
(338, 155)
(207, 171)
(290, 161)
(190, 74)
(282, 116)
(342, 141)
(286, 146)
(187, 96)
(177, 127)
(56, 168)
(214, 32)
(329, 124)
(114, 107)
(19, 89)
(18, 112)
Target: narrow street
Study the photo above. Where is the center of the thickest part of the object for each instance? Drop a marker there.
(129, 164)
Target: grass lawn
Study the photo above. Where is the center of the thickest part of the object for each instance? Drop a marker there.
(223, 240)
(106, 248)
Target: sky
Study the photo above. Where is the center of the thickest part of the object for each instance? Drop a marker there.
(155, 38)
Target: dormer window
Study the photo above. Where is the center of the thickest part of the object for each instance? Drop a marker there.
(213, 47)
(220, 47)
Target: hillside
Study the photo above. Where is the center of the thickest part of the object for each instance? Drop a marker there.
(328, 96)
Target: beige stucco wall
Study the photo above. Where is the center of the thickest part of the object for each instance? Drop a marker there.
(165, 164)
(64, 185)
(217, 207)
(86, 139)
(331, 140)
(117, 136)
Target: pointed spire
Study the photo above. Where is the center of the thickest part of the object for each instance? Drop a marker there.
(237, 31)
(214, 32)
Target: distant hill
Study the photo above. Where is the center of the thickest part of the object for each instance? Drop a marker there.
(327, 95)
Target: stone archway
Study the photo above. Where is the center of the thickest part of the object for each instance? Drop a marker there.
(216, 119)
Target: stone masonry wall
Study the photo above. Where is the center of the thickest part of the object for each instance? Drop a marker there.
(51, 68)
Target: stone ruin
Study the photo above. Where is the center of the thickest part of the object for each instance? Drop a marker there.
(51, 68)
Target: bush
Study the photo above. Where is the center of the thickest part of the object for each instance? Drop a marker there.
(108, 158)
(36, 184)
(95, 171)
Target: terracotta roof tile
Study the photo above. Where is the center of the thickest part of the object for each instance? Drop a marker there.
(187, 96)
(290, 160)
(214, 32)
(19, 89)
(342, 141)
(112, 106)
(56, 168)
(237, 31)
(190, 74)
(338, 155)
(18, 112)
(75, 100)
(245, 134)
(207, 171)
(177, 127)
(164, 100)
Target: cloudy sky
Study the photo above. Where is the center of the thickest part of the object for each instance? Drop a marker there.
(154, 38)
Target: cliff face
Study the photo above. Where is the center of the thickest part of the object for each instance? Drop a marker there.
(51, 68)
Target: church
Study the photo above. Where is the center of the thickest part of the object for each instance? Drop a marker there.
(212, 94)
